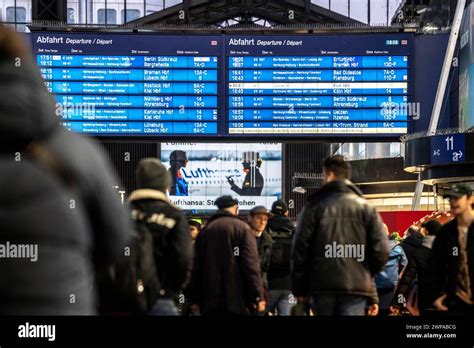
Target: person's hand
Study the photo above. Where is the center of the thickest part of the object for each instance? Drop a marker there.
(230, 180)
(373, 310)
(395, 310)
(260, 306)
(439, 305)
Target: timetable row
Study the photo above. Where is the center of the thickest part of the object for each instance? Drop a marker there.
(291, 102)
(315, 62)
(154, 62)
(61, 74)
(357, 75)
(133, 87)
(143, 127)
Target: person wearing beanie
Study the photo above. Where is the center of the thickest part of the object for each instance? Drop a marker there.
(152, 174)
(169, 228)
(226, 277)
(281, 229)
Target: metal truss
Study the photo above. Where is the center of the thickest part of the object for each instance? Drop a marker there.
(264, 13)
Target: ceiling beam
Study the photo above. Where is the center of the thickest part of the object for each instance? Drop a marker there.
(197, 12)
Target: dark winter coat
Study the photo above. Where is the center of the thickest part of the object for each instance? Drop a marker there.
(339, 214)
(264, 247)
(279, 273)
(78, 225)
(173, 247)
(412, 243)
(226, 271)
(417, 269)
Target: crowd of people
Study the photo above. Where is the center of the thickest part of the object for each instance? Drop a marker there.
(96, 255)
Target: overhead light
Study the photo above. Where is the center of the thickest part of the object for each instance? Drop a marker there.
(421, 11)
(430, 28)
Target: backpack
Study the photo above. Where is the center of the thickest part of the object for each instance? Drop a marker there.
(281, 251)
(388, 277)
(132, 285)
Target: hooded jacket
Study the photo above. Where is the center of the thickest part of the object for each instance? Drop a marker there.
(77, 229)
(337, 218)
(411, 243)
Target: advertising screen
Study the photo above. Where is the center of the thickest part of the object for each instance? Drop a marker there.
(201, 172)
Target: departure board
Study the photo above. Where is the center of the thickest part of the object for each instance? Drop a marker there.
(281, 86)
(140, 84)
(353, 85)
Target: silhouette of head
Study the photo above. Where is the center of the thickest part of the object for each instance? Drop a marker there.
(251, 159)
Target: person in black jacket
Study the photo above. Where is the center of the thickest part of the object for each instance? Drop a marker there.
(339, 246)
(281, 230)
(172, 242)
(412, 242)
(57, 198)
(417, 271)
(258, 219)
(452, 256)
(226, 276)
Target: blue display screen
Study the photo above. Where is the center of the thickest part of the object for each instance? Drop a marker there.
(313, 84)
(110, 84)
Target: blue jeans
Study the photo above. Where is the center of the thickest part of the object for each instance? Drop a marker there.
(339, 305)
(282, 301)
(164, 307)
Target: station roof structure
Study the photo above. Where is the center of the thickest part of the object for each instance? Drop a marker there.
(226, 13)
